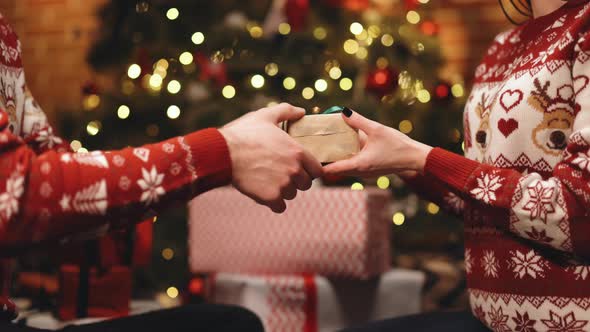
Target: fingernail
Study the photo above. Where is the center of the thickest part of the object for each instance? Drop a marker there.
(347, 112)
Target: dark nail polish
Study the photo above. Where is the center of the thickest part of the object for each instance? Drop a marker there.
(347, 112)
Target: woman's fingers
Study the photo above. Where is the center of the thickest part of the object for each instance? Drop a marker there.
(358, 121)
(342, 167)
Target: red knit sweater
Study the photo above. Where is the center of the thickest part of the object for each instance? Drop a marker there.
(48, 194)
(523, 187)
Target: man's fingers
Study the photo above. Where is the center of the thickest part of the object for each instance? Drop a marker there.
(311, 165)
(289, 192)
(302, 181)
(284, 112)
(277, 206)
(358, 121)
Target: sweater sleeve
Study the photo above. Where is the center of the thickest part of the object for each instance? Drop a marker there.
(552, 211)
(55, 196)
(432, 189)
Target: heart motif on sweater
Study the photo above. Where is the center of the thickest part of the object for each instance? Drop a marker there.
(507, 127)
(510, 99)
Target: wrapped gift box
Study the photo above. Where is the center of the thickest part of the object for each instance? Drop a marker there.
(332, 232)
(309, 303)
(109, 292)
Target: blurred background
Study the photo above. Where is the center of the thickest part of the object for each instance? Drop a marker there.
(126, 72)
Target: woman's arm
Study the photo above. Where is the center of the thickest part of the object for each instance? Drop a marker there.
(552, 211)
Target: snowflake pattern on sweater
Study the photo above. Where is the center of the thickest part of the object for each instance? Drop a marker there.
(524, 178)
(50, 194)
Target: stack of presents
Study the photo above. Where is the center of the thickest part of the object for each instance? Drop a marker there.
(323, 265)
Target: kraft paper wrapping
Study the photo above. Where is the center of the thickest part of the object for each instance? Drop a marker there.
(326, 136)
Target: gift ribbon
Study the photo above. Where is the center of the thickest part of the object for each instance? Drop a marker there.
(333, 109)
(311, 304)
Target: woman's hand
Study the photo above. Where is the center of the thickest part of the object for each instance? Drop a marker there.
(384, 151)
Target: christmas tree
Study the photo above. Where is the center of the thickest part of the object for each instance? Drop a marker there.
(181, 65)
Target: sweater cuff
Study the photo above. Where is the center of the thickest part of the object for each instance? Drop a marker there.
(211, 157)
(451, 168)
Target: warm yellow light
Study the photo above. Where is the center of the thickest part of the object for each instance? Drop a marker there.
(406, 126)
(123, 112)
(457, 90)
(362, 53)
(174, 87)
(423, 1)
(432, 208)
(463, 146)
(374, 31)
(356, 28)
(423, 96)
(75, 145)
(289, 83)
(257, 81)
(413, 17)
(383, 182)
(168, 254)
(387, 40)
(363, 35)
(91, 102)
(271, 69)
(82, 150)
(346, 84)
(173, 112)
(320, 33)
(382, 63)
(351, 46)
(155, 219)
(335, 73)
(256, 32)
(172, 13)
(186, 58)
(321, 85)
(198, 38)
(399, 219)
(284, 28)
(308, 93)
(93, 127)
(134, 71)
(155, 81)
(357, 186)
(162, 64)
(228, 91)
(172, 292)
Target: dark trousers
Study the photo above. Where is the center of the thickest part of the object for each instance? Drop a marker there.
(462, 321)
(200, 317)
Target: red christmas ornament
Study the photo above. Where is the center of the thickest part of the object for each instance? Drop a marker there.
(382, 81)
(297, 12)
(442, 91)
(411, 4)
(211, 71)
(429, 28)
(352, 5)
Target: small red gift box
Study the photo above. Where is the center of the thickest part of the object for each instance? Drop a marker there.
(108, 294)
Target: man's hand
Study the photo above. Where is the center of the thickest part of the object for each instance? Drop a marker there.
(268, 165)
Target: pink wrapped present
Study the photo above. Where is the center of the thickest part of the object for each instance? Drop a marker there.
(332, 232)
(308, 303)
